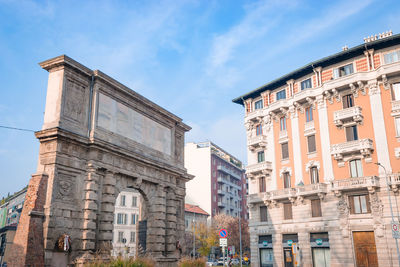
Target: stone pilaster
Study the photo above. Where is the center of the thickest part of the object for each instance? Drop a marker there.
(105, 222)
(90, 210)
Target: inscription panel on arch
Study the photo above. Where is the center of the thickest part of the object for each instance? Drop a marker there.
(121, 119)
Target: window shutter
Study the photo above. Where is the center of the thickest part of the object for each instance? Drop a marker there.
(263, 214)
(345, 103)
(351, 202)
(311, 143)
(316, 208)
(287, 207)
(368, 203)
(335, 73)
(349, 134)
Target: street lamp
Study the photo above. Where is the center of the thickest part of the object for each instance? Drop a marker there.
(194, 235)
(391, 208)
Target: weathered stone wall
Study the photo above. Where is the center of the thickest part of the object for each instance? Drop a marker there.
(336, 221)
(88, 165)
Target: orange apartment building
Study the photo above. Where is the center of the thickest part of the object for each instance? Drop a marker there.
(314, 137)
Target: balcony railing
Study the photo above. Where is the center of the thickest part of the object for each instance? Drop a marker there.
(309, 126)
(363, 146)
(312, 189)
(257, 141)
(394, 181)
(282, 193)
(228, 171)
(255, 115)
(368, 182)
(255, 198)
(348, 114)
(395, 107)
(221, 192)
(259, 168)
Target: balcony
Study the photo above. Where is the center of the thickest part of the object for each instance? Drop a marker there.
(395, 108)
(221, 192)
(309, 128)
(356, 183)
(221, 204)
(394, 181)
(255, 115)
(255, 198)
(257, 141)
(312, 189)
(353, 114)
(228, 171)
(362, 146)
(263, 168)
(286, 193)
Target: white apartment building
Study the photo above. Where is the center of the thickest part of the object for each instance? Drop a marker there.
(219, 185)
(127, 209)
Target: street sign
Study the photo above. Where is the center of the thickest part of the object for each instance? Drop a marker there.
(395, 230)
(223, 233)
(223, 242)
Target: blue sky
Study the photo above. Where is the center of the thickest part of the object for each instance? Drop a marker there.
(190, 57)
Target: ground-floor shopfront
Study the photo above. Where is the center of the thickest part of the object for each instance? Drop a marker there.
(351, 229)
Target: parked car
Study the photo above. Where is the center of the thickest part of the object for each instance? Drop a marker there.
(235, 261)
(211, 263)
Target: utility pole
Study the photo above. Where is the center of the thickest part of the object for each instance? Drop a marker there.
(391, 208)
(194, 235)
(240, 238)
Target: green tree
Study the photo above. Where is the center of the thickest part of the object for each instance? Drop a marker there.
(206, 238)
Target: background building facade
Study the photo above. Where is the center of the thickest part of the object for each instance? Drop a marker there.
(127, 209)
(194, 215)
(219, 185)
(314, 136)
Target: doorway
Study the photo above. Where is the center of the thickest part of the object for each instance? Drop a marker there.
(288, 257)
(365, 249)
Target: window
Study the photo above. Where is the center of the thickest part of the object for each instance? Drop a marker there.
(263, 214)
(356, 168)
(187, 222)
(306, 84)
(316, 208)
(133, 218)
(282, 122)
(133, 237)
(311, 143)
(343, 71)
(281, 94)
(396, 91)
(260, 156)
(392, 57)
(309, 114)
(134, 201)
(285, 150)
(359, 204)
(287, 211)
(121, 218)
(120, 237)
(259, 129)
(261, 184)
(122, 200)
(397, 122)
(314, 175)
(286, 180)
(258, 104)
(348, 101)
(351, 133)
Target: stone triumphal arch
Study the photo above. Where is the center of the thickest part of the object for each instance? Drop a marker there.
(98, 138)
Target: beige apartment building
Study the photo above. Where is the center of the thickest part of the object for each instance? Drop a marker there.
(314, 137)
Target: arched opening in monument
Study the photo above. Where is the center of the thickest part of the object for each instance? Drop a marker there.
(130, 224)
